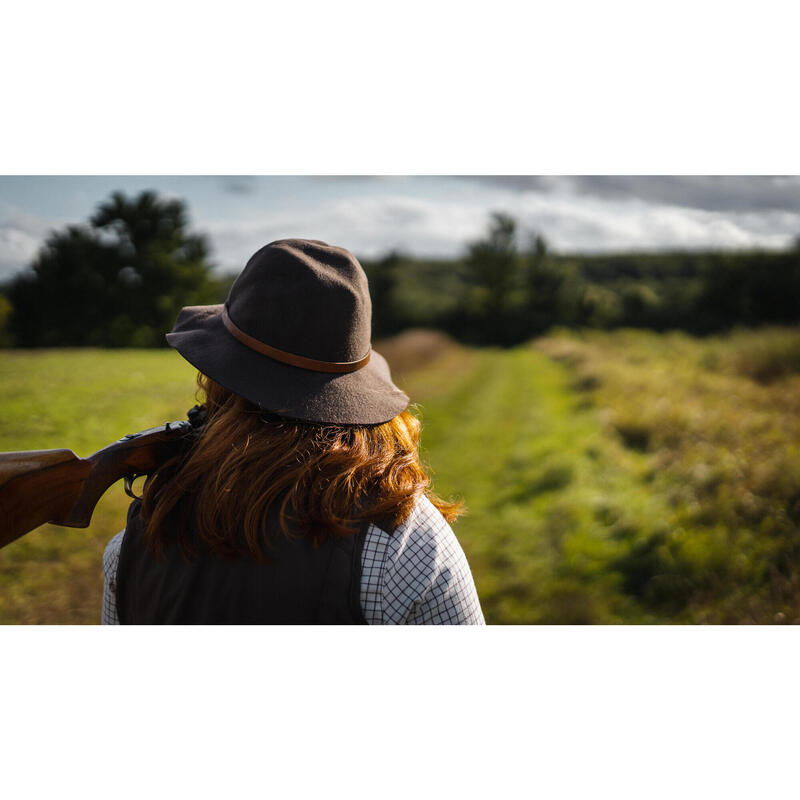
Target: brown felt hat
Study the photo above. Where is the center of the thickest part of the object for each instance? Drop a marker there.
(293, 337)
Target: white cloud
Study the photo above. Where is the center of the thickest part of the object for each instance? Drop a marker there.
(16, 247)
(410, 216)
(21, 236)
(367, 225)
(371, 225)
(591, 223)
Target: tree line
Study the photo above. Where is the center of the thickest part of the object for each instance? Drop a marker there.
(505, 291)
(120, 280)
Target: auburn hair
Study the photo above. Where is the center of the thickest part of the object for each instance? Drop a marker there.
(321, 479)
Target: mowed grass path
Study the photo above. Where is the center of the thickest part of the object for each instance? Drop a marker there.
(545, 487)
(504, 430)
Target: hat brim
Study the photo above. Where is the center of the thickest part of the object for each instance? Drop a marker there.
(364, 397)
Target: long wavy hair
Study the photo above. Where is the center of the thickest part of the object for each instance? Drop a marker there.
(321, 479)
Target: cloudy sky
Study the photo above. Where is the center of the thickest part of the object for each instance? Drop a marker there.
(429, 215)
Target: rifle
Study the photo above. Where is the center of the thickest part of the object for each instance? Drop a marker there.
(56, 486)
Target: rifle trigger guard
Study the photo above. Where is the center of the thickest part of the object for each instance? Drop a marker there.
(128, 484)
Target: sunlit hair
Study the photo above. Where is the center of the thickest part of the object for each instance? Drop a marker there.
(321, 479)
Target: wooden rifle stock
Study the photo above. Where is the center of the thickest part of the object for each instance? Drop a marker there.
(56, 486)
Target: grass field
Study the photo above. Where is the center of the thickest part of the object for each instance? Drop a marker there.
(609, 477)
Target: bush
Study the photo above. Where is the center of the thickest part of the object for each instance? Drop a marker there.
(767, 355)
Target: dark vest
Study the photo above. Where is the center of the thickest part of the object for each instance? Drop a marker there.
(302, 584)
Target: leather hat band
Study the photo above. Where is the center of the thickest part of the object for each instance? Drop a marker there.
(290, 358)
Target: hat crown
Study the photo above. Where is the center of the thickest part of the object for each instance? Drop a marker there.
(304, 297)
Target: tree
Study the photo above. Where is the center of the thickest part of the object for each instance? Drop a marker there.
(5, 314)
(543, 287)
(493, 266)
(118, 281)
(382, 275)
(493, 259)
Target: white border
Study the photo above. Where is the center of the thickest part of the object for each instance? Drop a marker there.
(432, 88)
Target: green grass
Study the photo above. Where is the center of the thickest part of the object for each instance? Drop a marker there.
(80, 399)
(608, 477)
(722, 451)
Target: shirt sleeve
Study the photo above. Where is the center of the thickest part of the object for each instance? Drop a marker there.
(110, 562)
(426, 579)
